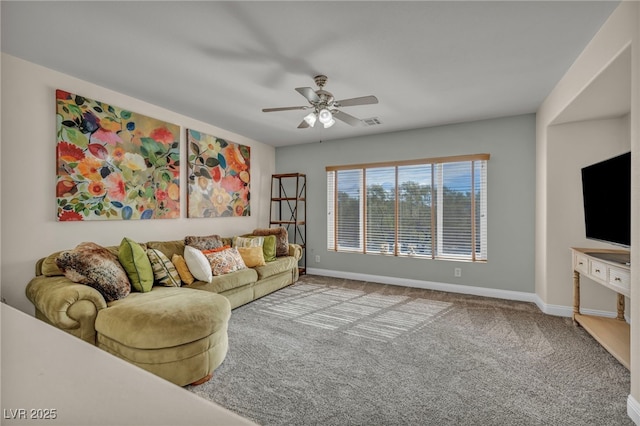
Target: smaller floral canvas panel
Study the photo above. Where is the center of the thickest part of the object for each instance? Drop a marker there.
(218, 177)
(113, 163)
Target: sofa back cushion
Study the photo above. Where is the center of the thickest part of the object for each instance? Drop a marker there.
(169, 248)
(49, 268)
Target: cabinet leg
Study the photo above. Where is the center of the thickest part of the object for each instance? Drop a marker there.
(620, 307)
(576, 294)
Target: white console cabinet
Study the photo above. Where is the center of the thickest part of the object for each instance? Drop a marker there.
(611, 269)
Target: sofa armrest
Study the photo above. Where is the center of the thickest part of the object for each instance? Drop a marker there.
(70, 306)
(295, 250)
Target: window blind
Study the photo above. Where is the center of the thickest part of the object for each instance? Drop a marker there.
(432, 208)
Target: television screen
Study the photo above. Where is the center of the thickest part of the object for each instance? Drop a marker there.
(606, 192)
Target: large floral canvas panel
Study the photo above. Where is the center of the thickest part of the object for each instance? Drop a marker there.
(113, 163)
(218, 177)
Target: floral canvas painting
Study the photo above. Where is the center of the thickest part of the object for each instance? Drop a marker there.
(218, 177)
(113, 163)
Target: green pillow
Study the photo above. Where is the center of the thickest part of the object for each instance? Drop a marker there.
(134, 260)
(269, 248)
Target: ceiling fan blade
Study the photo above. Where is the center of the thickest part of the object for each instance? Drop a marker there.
(303, 125)
(363, 100)
(308, 93)
(347, 118)
(284, 108)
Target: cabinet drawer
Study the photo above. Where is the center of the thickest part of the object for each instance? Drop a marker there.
(620, 278)
(598, 270)
(581, 264)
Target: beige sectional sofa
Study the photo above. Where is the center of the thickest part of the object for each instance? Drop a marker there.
(179, 334)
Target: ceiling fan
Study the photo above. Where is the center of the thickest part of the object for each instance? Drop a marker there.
(325, 107)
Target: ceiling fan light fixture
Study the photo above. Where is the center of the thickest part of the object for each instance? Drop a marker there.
(326, 117)
(310, 119)
(329, 123)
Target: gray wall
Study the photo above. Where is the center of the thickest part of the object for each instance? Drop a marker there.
(511, 196)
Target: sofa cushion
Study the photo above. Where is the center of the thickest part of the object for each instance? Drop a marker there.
(164, 317)
(183, 270)
(281, 264)
(97, 267)
(169, 248)
(205, 242)
(135, 261)
(282, 238)
(252, 256)
(49, 267)
(225, 261)
(164, 272)
(198, 264)
(227, 282)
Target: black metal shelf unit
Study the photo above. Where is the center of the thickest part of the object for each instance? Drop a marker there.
(289, 209)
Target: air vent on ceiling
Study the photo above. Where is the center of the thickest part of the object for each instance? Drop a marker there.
(373, 121)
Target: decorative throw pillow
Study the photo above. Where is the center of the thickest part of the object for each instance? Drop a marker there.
(268, 243)
(215, 249)
(225, 261)
(252, 256)
(163, 270)
(198, 264)
(207, 242)
(97, 267)
(249, 241)
(269, 248)
(135, 261)
(183, 270)
(282, 238)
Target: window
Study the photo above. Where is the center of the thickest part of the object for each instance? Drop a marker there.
(432, 208)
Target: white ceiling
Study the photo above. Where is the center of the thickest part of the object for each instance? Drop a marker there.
(429, 63)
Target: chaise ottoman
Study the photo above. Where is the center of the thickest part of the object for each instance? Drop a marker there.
(178, 334)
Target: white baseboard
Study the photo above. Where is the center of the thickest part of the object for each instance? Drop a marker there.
(633, 409)
(556, 310)
(429, 285)
(567, 311)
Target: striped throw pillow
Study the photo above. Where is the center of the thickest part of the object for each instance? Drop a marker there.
(164, 272)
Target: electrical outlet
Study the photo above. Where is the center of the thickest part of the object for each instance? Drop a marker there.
(457, 272)
(317, 258)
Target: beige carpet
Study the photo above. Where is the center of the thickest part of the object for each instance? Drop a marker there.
(329, 351)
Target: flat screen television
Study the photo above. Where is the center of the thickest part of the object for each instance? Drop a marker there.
(606, 193)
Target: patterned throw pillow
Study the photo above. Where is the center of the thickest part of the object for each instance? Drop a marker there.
(252, 256)
(215, 250)
(249, 241)
(225, 261)
(97, 267)
(198, 264)
(207, 242)
(282, 238)
(183, 270)
(163, 270)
